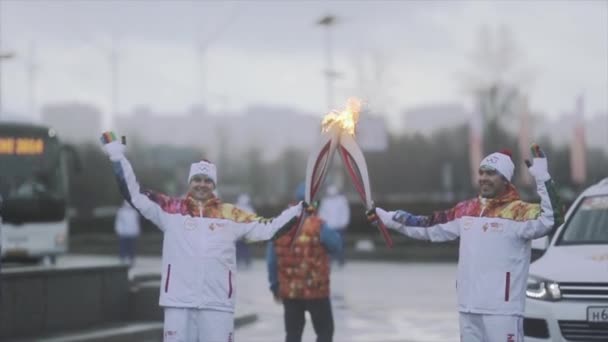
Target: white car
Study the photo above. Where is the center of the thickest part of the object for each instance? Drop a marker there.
(567, 294)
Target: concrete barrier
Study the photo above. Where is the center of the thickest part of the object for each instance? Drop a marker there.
(38, 300)
(143, 298)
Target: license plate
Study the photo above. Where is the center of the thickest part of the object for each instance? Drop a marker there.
(597, 314)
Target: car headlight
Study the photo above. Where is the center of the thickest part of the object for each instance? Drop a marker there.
(543, 289)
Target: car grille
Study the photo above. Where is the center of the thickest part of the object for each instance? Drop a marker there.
(583, 331)
(535, 327)
(584, 291)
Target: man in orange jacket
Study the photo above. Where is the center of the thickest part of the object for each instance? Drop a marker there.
(299, 276)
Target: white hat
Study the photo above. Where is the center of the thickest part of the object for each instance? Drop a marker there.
(500, 162)
(203, 167)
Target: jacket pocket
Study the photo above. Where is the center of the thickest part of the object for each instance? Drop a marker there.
(219, 289)
(489, 292)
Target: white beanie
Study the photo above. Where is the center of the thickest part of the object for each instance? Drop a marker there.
(203, 167)
(500, 162)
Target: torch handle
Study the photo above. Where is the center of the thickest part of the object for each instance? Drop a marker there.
(385, 234)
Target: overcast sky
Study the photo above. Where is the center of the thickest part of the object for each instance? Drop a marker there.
(271, 52)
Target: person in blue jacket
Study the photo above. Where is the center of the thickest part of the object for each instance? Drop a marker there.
(299, 276)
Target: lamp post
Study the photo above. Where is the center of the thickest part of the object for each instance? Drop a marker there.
(3, 57)
(203, 48)
(330, 74)
(32, 72)
(113, 58)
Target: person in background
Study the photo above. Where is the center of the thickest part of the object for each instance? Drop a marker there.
(127, 227)
(299, 276)
(335, 212)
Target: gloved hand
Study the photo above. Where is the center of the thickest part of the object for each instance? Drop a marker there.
(310, 208)
(538, 167)
(112, 147)
(277, 299)
(299, 208)
(275, 293)
(386, 217)
(371, 214)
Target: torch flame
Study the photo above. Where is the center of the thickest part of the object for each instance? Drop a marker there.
(345, 120)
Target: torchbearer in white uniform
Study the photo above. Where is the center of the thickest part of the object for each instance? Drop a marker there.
(495, 230)
(198, 258)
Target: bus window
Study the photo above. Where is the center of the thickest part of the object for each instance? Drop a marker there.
(32, 180)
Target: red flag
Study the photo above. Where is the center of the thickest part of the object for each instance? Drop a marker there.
(578, 148)
(475, 144)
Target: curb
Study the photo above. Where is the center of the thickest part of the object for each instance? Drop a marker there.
(126, 332)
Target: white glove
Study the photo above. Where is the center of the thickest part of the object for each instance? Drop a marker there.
(292, 211)
(538, 167)
(299, 208)
(114, 149)
(387, 218)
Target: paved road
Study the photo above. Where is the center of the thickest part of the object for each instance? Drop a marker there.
(373, 301)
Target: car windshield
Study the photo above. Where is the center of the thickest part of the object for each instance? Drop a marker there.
(588, 224)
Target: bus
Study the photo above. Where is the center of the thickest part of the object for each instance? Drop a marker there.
(34, 188)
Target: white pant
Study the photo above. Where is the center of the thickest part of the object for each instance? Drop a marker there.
(196, 325)
(491, 328)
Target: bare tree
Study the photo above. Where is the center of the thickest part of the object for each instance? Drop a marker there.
(498, 82)
(373, 78)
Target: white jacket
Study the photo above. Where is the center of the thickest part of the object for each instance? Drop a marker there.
(334, 210)
(199, 256)
(495, 235)
(127, 221)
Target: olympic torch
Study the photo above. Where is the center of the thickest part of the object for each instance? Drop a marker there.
(338, 132)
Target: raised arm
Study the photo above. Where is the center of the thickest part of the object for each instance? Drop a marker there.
(551, 213)
(148, 204)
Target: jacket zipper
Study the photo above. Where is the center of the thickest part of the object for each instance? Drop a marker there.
(483, 206)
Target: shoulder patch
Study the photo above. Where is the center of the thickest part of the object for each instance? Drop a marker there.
(520, 211)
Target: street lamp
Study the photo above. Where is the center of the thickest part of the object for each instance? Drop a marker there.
(330, 74)
(203, 48)
(113, 55)
(3, 57)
